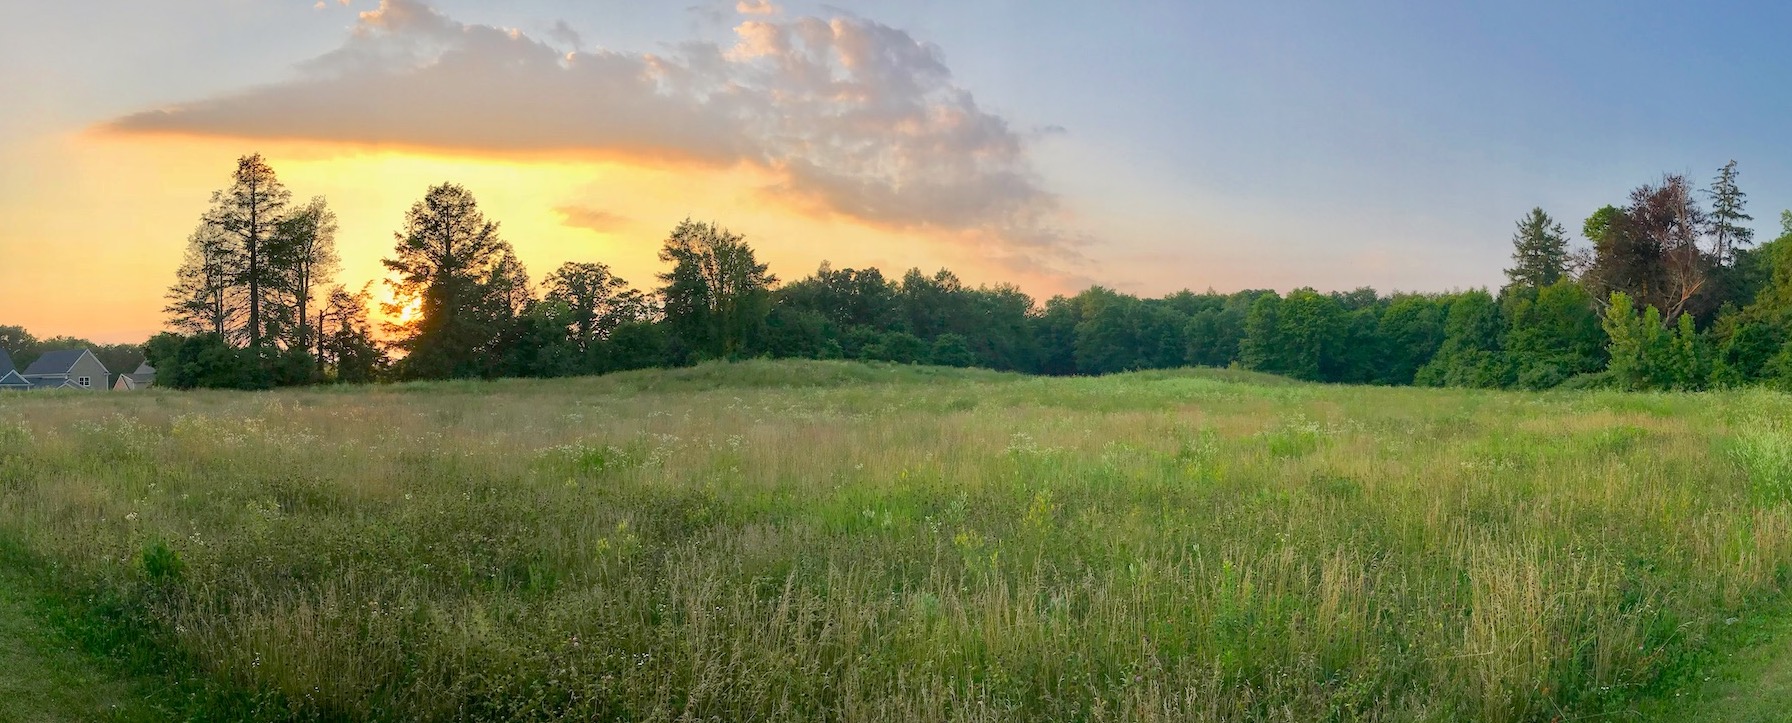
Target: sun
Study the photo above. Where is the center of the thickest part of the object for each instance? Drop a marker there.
(410, 311)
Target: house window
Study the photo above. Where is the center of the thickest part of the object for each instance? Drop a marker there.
(85, 381)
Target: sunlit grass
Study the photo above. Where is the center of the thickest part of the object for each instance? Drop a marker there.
(787, 541)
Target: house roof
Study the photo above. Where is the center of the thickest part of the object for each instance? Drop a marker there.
(11, 380)
(143, 369)
(54, 384)
(6, 363)
(56, 362)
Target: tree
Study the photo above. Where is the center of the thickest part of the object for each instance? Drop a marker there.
(1639, 347)
(204, 361)
(1728, 204)
(1214, 333)
(535, 343)
(345, 337)
(204, 297)
(1300, 336)
(1470, 355)
(15, 339)
(951, 350)
(1539, 251)
(846, 297)
(1553, 334)
(636, 345)
(800, 333)
(1688, 366)
(463, 279)
(894, 346)
(1410, 330)
(304, 250)
(716, 295)
(1108, 340)
(1055, 333)
(1651, 252)
(1746, 347)
(596, 300)
(248, 213)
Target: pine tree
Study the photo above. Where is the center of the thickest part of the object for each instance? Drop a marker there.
(1539, 251)
(304, 251)
(248, 213)
(462, 278)
(1727, 216)
(203, 299)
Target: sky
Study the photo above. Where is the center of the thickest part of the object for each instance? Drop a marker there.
(1148, 146)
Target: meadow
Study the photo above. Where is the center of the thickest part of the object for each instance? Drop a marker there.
(837, 541)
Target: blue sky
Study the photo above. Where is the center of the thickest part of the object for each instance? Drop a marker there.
(1183, 144)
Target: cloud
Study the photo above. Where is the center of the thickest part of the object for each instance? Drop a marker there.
(755, 7)
(588, 218)
(565, 34)
(855, 118)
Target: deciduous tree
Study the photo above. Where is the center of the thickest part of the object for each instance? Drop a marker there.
(716, 295)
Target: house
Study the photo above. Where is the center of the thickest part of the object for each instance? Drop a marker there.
(140, 379)
(10, 379)
(67, 369)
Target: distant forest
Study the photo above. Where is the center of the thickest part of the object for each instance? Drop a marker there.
(1672, 293)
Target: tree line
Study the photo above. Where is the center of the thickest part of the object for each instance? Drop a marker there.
(1670, 293)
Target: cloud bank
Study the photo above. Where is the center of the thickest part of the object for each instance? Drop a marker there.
(854, 118)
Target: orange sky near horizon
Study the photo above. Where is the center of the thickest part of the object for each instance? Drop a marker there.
(125, 204)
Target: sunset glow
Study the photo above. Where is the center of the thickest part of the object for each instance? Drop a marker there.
(1232, 150)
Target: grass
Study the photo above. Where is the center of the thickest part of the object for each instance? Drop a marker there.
(1745, 678)
(48, 677)
(831, 541)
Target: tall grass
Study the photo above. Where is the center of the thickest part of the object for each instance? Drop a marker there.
(826, 541)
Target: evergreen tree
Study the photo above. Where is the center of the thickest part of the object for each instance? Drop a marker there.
(1539, 251)
(1728, 214)
(248, 214)
(347, 347)
(303, 249)
(204, 298)
(460, 278)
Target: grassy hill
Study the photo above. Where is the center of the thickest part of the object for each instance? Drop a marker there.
(816, 540)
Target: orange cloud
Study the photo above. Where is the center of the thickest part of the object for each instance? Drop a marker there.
(848, 117)
(755, 7)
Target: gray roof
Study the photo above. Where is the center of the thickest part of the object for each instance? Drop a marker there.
(55, 362)
(5, 363)
(11, 379)
(143, 369)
